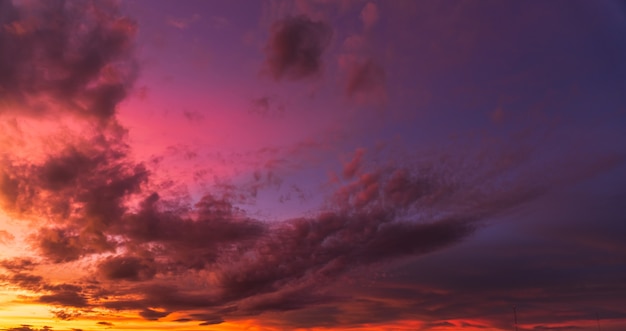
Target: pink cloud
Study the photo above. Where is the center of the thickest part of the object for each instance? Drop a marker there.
(366, 82)
(369, 15)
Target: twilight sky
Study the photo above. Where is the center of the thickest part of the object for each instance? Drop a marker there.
(312, 165)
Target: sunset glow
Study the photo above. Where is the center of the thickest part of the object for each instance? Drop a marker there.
(312, 165)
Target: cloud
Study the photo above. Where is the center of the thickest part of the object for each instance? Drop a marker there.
(540, 279)
(65, 314)
(74, 59)
(207, 259)
(26, 327)
(182, 23)
(6, 237)
(213, 321)
(562, 327)
(193, 116)
(355, 43)
(366, 81)
(352, 167)
(126, 268)
(295, 48)
(151, 314)
(380, 216)
(64, 295)
(86, 183)
(213, 257)
(18, 264)
(64, 298)
(83, 65)
(104, 323)
(191, 241)
(60, 245)
(369, 15)
(24, 280)
(267, 106)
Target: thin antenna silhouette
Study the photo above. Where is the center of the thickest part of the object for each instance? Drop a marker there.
(598, 319)
(515, 316)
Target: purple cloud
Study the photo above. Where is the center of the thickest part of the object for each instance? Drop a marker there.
(366, 81)
(76, 55)
(296, 46)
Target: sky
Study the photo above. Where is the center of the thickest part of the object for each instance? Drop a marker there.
(312, 165)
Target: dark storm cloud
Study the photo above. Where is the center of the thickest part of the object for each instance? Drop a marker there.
(296, 46)
(73, 54)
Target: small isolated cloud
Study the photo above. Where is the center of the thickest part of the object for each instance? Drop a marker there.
(212, 321)
(105, 323)
(193, 116)
(267, 106)
(182, 23)
(296, 46)
(151, 314)
(366, 82)
(65, 314)
(369, 15)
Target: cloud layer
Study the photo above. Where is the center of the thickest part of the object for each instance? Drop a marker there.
(205, 258)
